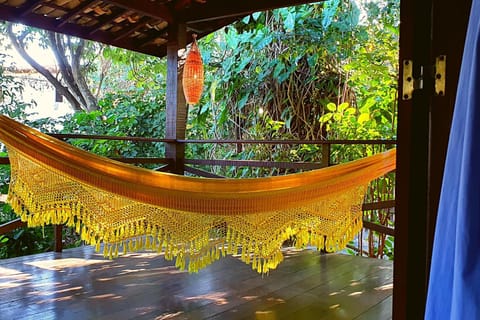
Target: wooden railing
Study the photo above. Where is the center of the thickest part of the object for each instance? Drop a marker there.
(12, 225)
(389, 204)
(325, 161)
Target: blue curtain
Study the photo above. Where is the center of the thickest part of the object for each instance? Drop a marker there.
(454, 286)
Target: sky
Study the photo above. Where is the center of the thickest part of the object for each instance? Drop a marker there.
(45, 98)
(45, 57)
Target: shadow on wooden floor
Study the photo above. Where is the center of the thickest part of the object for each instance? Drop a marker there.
(80, 284)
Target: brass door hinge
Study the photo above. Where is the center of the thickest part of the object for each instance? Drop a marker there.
(440, 74)
(410, 83)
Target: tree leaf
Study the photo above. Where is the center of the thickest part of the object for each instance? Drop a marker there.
(331, 107)
(343, 106)
(329, 11)
(243, 101)
(364, 117)
(280, 67)
(18, 234)
(289, 23)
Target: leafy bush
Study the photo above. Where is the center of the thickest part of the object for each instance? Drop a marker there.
(135, 114)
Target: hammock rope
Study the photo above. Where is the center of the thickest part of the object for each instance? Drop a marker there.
(192, 220)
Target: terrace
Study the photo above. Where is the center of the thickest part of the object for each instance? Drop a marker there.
(79, 284)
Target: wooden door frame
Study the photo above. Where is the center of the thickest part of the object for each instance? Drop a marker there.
(428, 29)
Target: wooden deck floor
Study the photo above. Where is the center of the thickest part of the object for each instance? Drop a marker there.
(80, 284)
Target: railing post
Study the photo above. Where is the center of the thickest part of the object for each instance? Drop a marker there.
(57, 234)
(326, 154)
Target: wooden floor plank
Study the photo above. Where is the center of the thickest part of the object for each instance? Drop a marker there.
(382, 310)
(326, 299)
(80, 284)
(288, 279)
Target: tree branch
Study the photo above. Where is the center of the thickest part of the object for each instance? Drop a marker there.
(20, 48)
(90, 100)
(58, 49)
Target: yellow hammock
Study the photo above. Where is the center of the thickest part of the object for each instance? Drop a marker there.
(194, 220)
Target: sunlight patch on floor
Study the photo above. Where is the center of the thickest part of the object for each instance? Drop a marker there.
(142, 255)
(106, 296)
(336, 293)
(276, 300)
(217, 298)
(355, 283)
(130, 271)
(169, 316)
(6, 272)
(265, 315)
(388, 286)
(14, 278)
(53, 300)
(55, 290)
(59, 264)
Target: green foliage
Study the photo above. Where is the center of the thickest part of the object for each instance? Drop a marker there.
(140, 111)
(131, 70)
(135, 114)
(370, 69)
(10, 90)
(266, 82)
(25, 241)
(317, 71)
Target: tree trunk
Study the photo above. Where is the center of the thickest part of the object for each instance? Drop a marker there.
(72, 84)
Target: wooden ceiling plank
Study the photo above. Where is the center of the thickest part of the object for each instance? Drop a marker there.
(132, 44)
(202, 13)
(29, 9)
(141, 23)
(146, 8)
(108, 19)
(77, 11)
(150, 37)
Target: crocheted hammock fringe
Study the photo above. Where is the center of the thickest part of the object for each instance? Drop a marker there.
(195, 221)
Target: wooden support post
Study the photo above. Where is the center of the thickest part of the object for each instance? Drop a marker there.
(176, 105)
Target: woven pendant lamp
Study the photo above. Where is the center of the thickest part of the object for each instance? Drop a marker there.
(193, 74)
